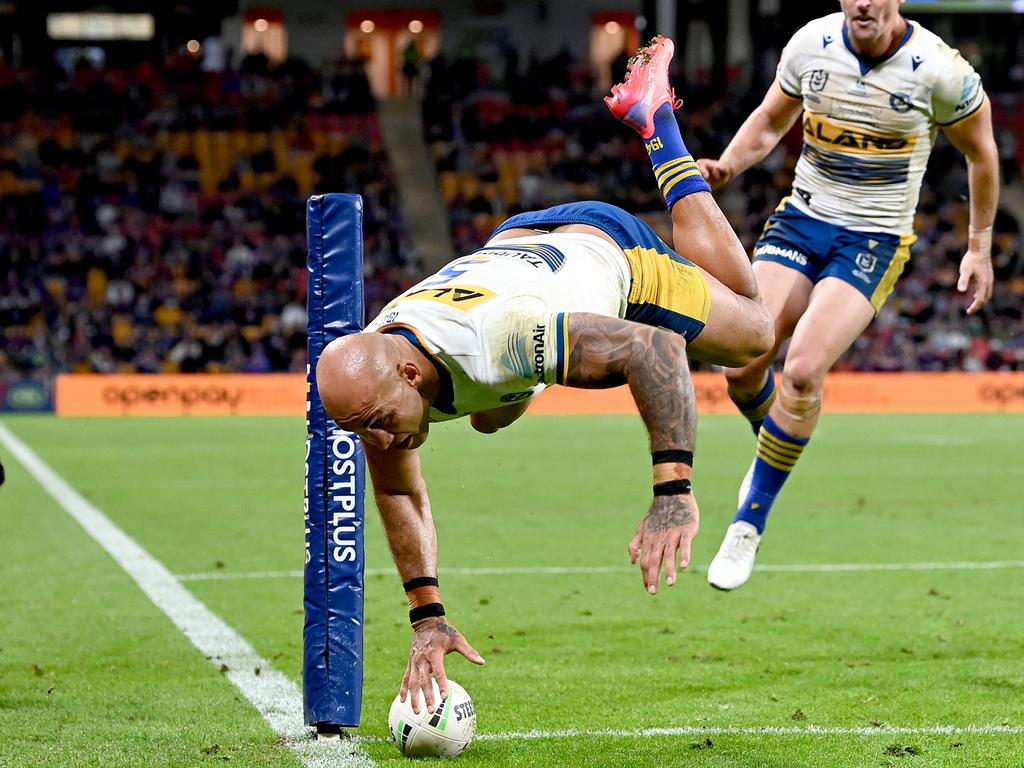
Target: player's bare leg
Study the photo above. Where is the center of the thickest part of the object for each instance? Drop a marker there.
(645, 101)
(836, 315)
(786, 292)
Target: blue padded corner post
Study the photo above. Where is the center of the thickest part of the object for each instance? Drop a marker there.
(332, 670)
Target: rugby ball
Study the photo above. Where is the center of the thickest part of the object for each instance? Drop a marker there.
(444, 731)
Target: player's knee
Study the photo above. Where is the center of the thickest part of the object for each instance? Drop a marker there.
(758, 337)
(800, 392)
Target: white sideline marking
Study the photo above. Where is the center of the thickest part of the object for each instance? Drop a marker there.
(274, 695)
(544, 570)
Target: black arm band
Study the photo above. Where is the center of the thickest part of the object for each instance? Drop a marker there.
(673, 488)
(671, 456)
(420, 581)
(427, 611)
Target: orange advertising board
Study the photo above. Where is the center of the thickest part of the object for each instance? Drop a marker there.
(285, 394)
(844, 393)
(199, 394)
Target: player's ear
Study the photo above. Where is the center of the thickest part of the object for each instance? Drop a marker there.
(409, 372)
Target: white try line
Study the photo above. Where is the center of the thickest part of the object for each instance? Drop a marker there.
(554, 570)
(808, 730)
(754, 730)
(276, 697)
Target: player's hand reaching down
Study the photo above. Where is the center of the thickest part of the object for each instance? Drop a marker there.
(976, 270)
(664, 538)
(432, 640)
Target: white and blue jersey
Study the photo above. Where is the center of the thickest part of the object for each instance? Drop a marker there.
(869, 126)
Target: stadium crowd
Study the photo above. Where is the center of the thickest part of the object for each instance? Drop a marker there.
(153, 219)
(508, 138)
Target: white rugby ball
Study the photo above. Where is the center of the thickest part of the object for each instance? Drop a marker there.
(444, 731)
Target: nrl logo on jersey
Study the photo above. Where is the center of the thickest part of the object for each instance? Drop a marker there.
(817, 80)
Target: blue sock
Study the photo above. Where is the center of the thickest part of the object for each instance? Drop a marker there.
(777, 452)
(758, 406)
(674, 166)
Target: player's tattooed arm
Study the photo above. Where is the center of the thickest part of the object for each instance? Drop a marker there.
(607, 352)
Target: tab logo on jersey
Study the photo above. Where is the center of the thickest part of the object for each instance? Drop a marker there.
(818, 79)
(463, 297)
(824, 132)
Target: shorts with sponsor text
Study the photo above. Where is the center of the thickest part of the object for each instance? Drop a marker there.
(665, 290)
(869, 261)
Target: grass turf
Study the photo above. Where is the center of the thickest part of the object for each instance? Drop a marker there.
(92, 674)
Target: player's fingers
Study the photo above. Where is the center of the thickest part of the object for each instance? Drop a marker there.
(634, 547)
(964, 281)
(404, 690)
(428, 689)
(650, 564)
(469, 652)
(684, 552)
(442, 681)
(669, 558)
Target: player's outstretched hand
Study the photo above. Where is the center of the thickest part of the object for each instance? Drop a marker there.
(664, 538)
(432, 640)
(715, 172)
(976, 269)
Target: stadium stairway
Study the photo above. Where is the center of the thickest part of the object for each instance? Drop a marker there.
(422, 206)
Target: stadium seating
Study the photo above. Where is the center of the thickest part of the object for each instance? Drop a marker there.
(154, 220)
(517, 140)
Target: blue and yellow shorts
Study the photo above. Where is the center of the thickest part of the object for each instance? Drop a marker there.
(665, 289)
(869, 261)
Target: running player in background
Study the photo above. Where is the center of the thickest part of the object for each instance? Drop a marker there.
(874, 88)
(583, 295)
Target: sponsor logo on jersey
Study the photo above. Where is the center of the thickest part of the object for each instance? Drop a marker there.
(826, 41)
(525, 356)
(769, 249)
(915, 61)
(859, 88)
(817, 80)
(900, 102)
(825, 132)
(970, 89)
(537, 255)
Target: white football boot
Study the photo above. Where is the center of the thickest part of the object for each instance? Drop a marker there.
(735, 559)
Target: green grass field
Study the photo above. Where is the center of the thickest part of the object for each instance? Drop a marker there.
(93, 674)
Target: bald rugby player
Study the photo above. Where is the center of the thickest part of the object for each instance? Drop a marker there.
(580, 295)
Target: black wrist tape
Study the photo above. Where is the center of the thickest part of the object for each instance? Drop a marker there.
(420, 581)
(671, 456)
(673, 488)
(428, 611)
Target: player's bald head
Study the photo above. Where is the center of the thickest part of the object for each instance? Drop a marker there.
(355, 370)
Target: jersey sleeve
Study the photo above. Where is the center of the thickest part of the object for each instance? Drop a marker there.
(957, 93)
(788, 71)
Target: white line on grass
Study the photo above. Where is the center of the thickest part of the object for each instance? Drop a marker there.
(275, 696)
(554, 570)
(764, 730)
(810, 730)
